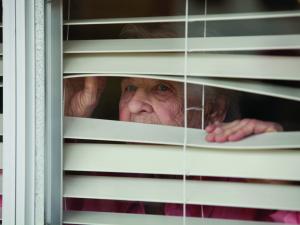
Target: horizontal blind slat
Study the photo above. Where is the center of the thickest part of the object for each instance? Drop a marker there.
(268, 42)
(1, 155)
(199, 65)
(124, 45)
(107, 158)
(155, 159)
(1, 67)
(102, 218)
(1, 124)
(96, 129)
(250, 86)
(235, 194)
(191, 18)
(124, 63)
(1, 184)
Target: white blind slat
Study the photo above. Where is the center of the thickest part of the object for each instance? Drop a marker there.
(1, 184)
(1, 155)
(156, 159)
(191, 18)
(268, 42)
(107, 21)
(124, 45)
(250, 86)
(199, 65)
(96, 129)
(234, 194)
(1, 124)
(100, 218)
(1, 67)
(244, 43)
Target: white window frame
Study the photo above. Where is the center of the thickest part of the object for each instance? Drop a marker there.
(32, 113)
(54, 115)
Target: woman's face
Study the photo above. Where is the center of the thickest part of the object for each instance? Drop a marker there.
(151, 101)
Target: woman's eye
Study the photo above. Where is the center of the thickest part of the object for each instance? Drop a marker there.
(130, 88)
(162, 87)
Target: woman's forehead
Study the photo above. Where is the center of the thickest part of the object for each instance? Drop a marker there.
(148, 81)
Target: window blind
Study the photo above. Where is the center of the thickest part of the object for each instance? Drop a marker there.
(213, 62)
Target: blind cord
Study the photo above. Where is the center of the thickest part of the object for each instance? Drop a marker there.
(203, 96)
(205, 13)
(202, 127)
(185, 109)
(69, 15)
(194, 108)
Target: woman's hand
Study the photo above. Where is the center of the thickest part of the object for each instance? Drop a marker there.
(81, 95)
(239, 129)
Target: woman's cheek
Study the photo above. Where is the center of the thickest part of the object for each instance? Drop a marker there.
(124, 114)
(170, 113)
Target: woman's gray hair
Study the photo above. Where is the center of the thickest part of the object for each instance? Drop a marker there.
(147, 31)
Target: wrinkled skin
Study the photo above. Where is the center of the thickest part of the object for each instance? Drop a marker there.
(239, 129)
(160, 102)
(81, 95)
(151, 101)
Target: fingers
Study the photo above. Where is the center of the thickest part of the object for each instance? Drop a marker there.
(84, 100)
(210, 128)
(70, 89)
(243, 130)
(239, 129)
(219, 131)
(94, 85)
(263, 127)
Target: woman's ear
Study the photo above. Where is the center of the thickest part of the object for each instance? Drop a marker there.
(216, 109)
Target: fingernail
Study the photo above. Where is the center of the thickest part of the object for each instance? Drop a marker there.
(218, 130)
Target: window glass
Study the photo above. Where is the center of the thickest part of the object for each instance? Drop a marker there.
(134, 72)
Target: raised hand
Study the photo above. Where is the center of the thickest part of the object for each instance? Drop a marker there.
(239, 129)
(82, 95)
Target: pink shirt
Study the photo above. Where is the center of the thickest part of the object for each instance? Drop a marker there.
(172, 209)
(191, 210)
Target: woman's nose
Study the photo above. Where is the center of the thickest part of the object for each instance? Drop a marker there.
(140, 102)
